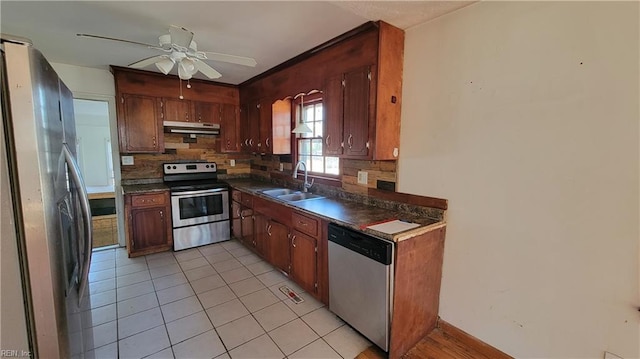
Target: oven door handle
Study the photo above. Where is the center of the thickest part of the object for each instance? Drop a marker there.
(198, 192)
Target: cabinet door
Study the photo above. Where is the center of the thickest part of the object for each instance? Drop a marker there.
(253, 119)
(261, 225)
(356, 113)
(236, 223)
(176, 110)
(333, 125)
(304, 261)
(229, 129)
(148, 228)
(139, 126)
(266, 138)
(278, 245)
(246, 219)
(206, 112)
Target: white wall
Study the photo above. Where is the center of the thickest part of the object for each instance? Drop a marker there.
(525, 115)
(86, 80)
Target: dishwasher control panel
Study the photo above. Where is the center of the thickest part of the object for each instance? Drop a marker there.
(369, 246)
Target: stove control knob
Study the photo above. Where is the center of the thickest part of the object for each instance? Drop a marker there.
(174, 167)
(168, 167)
(207, 166)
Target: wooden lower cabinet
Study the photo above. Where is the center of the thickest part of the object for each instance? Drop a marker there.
(304, 262)
(236, 223)
(292, 241)
(278, 244)
(148, 223)
(246, 223)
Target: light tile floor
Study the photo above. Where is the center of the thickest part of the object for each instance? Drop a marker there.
(216, 301)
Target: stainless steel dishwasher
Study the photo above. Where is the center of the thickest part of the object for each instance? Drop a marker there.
(361, 282)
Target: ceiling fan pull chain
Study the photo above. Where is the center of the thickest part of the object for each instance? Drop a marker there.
(180, 97)
(189, 83)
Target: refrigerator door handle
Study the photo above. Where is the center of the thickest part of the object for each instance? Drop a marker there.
(76, 177)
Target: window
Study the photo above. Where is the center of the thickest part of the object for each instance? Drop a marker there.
(309, 145)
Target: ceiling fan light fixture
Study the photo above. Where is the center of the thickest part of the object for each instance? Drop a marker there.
(186, 68)
(165, 65)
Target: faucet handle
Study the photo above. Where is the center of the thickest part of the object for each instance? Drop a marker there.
(308, 185)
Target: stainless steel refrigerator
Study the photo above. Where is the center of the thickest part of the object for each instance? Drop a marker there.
(45, 218)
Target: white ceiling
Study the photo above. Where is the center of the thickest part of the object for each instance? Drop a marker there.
(269, 31)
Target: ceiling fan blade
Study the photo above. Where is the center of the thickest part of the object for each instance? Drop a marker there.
(180, 36)
(121, 40)
(148, 61)
(240, 60)
(207, 70)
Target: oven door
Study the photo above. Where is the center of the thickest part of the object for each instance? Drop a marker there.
(197, 207)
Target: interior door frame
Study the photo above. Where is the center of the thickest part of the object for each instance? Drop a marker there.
(115, 154)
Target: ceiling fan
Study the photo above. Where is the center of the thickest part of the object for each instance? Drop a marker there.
(181, 49)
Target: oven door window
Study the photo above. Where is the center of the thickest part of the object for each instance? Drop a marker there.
(201, 206)
(198, 208)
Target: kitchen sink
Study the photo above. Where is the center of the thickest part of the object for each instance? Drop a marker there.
(276, 192)
(300, 196)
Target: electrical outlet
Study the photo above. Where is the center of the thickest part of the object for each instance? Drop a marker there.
(608, 355)
(281, 167)
(232, 163)
(127, 160)
(363, 177)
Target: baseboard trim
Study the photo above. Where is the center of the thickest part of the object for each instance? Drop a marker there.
(471, 341)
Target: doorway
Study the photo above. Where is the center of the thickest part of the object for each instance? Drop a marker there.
(97, 156)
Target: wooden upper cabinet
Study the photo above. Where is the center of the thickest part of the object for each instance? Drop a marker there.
(369, 60)
(356, 112)
(253, 127)
(281, 127)
(139, 124)
(230, 129)
(332, 111)
(266, 139)
(206, 112)
(176, 110)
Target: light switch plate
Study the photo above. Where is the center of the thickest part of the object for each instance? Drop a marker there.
(127, 160)
(363, 177)
(232, 163)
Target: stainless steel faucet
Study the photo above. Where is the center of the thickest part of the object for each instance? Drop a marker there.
(306, 185)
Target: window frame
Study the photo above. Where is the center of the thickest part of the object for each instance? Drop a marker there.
(323, 178)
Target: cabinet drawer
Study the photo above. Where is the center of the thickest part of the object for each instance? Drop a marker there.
(305, 224)
(247, 200)
(148, 200)
(236, 196)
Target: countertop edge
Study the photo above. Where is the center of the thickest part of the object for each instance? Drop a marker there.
(396, 237)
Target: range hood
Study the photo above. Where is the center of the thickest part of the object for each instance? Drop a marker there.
(191, 128)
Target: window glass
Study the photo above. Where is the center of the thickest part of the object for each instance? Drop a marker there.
(310, 144)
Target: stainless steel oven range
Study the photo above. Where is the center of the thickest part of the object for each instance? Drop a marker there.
(199, 204)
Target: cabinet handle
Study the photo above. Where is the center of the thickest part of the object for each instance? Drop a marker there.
(266, 142)
(251, 142)
(239, 214)
(269, 230)
(350, 141)
(327, 141)
(293, 241)
(302, 223)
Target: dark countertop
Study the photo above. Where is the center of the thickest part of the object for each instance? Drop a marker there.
(343, 212)
(142, 188)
